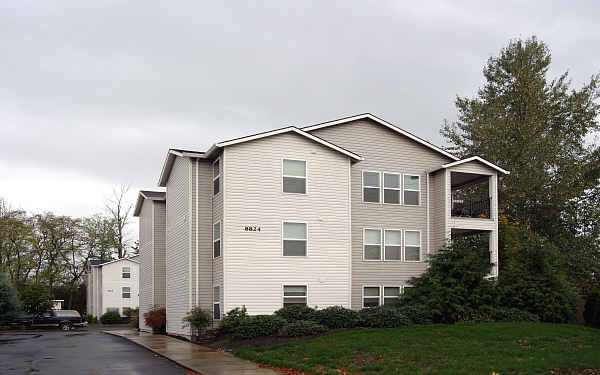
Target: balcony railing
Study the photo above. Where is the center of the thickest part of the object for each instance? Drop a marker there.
(471, 208)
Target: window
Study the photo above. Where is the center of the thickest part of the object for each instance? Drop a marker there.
(216, 176)
(217, 302)
(412, 246)
(126, 272)
(393, 244)
(411, 190)
(217, 239)
(390, 294)
(294, 239)
(294, 176)
(371, 296)
(372, 244)
(391, 188)
(294, 295)
(126, 292)
(371, 187)
(113, 309)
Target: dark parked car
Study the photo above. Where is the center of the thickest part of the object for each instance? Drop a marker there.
(64, 319)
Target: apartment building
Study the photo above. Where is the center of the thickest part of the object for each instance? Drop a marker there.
(339, 213)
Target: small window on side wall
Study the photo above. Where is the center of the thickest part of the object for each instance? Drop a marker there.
(393, 244)
(390, 294)
(294, 295)
(294, 239)
(391, 188)
(217, 239)
(126, 292)
(294, 176)
(216, 302)
(126, 272)
(412, 246)
(216, 176)
(412, 190)
(372, 244)
(371, 187)
(371, 296)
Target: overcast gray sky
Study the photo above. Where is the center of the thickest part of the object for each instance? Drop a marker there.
(93, 93)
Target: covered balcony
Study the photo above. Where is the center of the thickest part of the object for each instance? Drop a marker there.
(470, 197)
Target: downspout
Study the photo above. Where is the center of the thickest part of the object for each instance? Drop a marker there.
(427, 179)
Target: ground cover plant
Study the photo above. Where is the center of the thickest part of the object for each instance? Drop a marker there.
(503, 348)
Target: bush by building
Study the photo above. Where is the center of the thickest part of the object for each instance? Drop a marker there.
(233, 319)
(259, 325)
(295, 312)
(111, 317)
(301, 328)
(335, 317)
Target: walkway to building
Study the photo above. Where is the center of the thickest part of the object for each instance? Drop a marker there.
(197, 358)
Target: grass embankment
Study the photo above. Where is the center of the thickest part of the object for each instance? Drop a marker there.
(503, 348)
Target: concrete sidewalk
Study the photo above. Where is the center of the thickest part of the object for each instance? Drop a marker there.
(197, 358)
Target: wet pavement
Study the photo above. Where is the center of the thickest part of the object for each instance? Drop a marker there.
(197, 358)
(88, 351)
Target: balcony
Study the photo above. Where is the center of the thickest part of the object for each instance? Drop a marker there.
(470, 196)
(471, 208)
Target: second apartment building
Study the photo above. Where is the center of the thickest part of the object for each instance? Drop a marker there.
(339, 213)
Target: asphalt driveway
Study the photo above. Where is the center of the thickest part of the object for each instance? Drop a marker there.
(77, 352)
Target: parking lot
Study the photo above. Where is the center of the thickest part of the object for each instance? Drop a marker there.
(85, 351)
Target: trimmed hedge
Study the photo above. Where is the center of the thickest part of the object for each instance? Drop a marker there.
(258, 325)
(295, 312)
(336, 317)
(591, 313)
(502, 314)
(382, 317)
(111, 317)
(301, 328)
(418, 314)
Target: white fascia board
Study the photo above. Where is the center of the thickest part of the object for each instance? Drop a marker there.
(384, 123)
(475, 158)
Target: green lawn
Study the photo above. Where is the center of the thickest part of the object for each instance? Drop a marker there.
(504, 348)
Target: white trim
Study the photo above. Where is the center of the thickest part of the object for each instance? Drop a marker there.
(287, 130)
(123, 292)
(362, 291)
(399, 189)
(401, 245)
(404, 189)
(152, 257)
(381, 122)
(372, 244)
(473, 158)
(217, 177)
(404, 246)
(390, 286)
(362, 192)
(283, 175)
(350, 234)
(283, 285)
(123, 272)
(219, 302)
(294, 239)
(220, 239)
(427, 203)
(190, 226)
(197, 232)
(116, 260)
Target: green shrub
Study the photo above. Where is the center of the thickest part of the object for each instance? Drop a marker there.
(301, 328)
(233, 319)
(110, 317)
(295, 312)
(10, 305)
(92, 319)
(591, 313)
(382, 317)
(197, 319)
(336, 317)
(501, 314)
(36, 299)
(259, 325)
(418, 314)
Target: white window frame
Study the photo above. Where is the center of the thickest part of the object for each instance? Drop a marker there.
(401, 245)
(283, 222)
(406, 286)
(217, 239)
(123, 272)
(363, 295)
(399, 189)
(217, 160)
(362, 192)
(293, 284)
(381, 244)
(305, 176)
(400, 292)
(404, 246)
(216, 303)
(418, 190)
(123, 292)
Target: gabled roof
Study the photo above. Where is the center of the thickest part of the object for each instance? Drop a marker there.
(472, 158)
(380, 122)
(170, 159)
(117, 260)
(150, 195)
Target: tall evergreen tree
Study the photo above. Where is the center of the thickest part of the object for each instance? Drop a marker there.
(541, 130)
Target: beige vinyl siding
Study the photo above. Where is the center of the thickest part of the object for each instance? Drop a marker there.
(255, 270)
(146, 261)
(218, 216)
(178, 246)
(437, 211)
(203, 212)
(159, 242)
(193, 231)
(383, 150)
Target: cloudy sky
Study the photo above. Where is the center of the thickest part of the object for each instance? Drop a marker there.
(93, 93)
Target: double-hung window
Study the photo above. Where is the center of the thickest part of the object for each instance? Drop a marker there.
(294, 176)
(390, 294)
(294, 295)
(372, 244)
(371, 296)
(126, 272)
(371, 186)
(391, 188)
(216, 302)
(295, 237)
(217, 239)
(126, 292)
(216, 176)
(412, 246)
(412, 191)
(393, 244)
